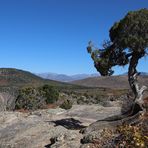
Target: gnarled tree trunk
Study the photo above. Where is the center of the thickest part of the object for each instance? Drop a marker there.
(132, 78)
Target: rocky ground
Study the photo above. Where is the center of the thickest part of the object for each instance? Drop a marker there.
(50, 128)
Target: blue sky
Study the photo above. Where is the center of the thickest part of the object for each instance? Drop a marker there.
(52, 35)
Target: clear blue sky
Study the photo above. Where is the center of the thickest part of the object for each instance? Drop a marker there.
(52, 35)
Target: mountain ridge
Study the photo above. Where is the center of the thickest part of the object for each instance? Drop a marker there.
(64, 77)
(75, 77)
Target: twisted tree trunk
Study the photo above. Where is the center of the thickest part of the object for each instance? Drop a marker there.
(132, 78)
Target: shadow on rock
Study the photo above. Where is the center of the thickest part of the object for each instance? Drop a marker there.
(48, 146)
(69, 123)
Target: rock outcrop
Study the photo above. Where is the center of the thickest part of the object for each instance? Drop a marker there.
(7, 99)
(54, 128)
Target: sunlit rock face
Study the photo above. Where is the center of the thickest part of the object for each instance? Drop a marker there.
(7, 101)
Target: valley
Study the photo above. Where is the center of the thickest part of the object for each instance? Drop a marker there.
(93, 101)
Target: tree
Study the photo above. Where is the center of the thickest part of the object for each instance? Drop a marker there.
(51, 93)
(127, 45)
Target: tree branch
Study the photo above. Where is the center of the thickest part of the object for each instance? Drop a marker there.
(129, 55)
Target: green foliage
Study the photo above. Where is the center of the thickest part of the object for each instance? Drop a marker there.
(128, 38)
(131, 32)
(50, 93)
(31, 98)
(67, 104)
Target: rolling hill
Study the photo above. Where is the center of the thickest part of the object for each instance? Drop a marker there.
(118, 82)
(18, 78)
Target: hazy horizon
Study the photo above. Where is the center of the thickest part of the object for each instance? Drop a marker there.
(51, 35)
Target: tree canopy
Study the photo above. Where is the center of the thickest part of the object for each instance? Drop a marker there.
(128, 43)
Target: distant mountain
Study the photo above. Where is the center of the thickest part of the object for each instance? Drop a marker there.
(144, 73)
(141, 73)
(65, 78)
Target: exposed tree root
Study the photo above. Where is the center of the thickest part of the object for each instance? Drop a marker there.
(132, 117)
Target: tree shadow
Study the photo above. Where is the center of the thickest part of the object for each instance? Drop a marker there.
(69, 123)
(48, 146)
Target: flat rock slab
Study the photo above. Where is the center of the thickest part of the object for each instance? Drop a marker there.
(35, 129)
(92, 113)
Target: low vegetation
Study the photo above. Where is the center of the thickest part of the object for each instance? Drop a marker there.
(50, 93)
(67, 104)
(132, 136)
(32, 98)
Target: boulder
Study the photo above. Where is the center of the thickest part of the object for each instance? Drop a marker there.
(7, 101)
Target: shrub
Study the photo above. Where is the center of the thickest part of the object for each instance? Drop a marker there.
(132, 136)
(67, 104)
(36, 98)
(51, 93)
(30, 98)
(83, 100)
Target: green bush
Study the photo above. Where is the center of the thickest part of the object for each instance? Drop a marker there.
(67, 104)
(36, 98)
(51, 94)
(30, 98)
